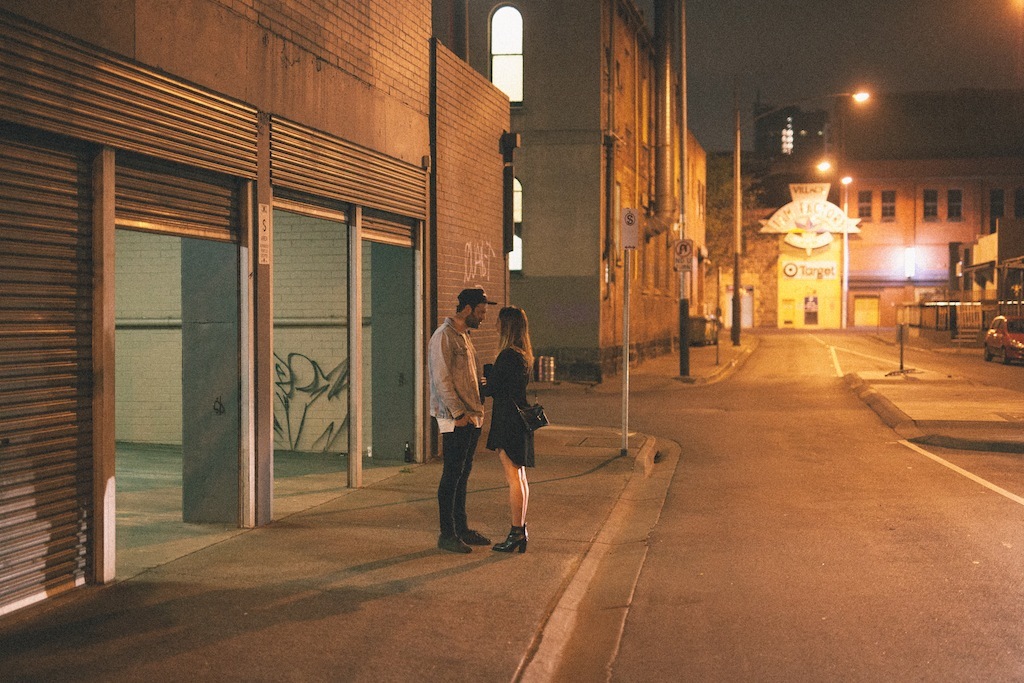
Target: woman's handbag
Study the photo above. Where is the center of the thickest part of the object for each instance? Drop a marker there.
(533, 417)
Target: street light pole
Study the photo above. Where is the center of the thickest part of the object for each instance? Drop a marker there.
(738, 217)
(846, 180)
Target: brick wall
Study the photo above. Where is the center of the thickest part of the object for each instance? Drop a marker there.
(471, 116)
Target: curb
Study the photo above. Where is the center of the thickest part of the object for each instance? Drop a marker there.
(910, 430)
(891, 415)
(618, 542)
(724, 371)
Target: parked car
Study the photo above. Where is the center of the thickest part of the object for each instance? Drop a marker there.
(1005, 339)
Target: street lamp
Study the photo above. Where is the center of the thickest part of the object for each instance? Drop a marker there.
(858, 97)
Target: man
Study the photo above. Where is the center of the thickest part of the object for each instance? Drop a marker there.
(456, 404)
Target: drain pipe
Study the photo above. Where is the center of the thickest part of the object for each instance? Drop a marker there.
(664, 201)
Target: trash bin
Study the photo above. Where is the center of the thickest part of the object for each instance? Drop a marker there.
(702, 330)
(545, 369)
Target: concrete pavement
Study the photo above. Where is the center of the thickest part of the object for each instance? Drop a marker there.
(355, 589)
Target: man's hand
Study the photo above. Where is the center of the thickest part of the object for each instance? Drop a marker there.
(462, 421)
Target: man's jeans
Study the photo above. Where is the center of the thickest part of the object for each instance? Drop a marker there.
(458, 448)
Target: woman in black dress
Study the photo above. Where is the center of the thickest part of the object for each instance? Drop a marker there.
(506, 382)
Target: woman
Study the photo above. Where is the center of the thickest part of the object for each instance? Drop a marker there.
(506, 382)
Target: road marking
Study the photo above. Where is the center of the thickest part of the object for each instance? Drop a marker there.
(959, 470)
(835, 361)
(832, 351)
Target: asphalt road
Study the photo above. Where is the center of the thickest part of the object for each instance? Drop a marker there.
(801, 541)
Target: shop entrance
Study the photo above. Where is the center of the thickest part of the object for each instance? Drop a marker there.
(865, 311)
(311, 356)
(178, 416)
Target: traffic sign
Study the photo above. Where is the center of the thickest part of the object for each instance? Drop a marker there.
(683, 251)
(630, 229)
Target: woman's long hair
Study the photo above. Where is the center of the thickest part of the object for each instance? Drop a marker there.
(514, 332)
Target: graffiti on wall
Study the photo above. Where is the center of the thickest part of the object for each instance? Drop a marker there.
(305, 397)
(478, 256)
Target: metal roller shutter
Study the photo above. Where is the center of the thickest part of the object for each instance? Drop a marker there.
(61, 85)
(309, 161)
(389, 229)
(45, 371)
(159, 197)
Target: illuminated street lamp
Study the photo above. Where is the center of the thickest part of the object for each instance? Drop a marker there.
(858, 97)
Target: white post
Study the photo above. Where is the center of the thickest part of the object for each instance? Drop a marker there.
(625, 357)
(630, 239)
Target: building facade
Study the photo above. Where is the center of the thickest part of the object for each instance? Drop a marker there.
(596, 99)
(932, 176)
(228, 229)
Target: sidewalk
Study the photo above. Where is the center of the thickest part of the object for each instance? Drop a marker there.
(355, 588)
(940, 410)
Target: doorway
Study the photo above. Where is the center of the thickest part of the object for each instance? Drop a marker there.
(865, 311)
(311, 356)
(178, 416)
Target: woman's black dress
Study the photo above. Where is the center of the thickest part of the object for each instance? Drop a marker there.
(507, 384)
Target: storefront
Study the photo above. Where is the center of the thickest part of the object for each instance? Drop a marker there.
(810, 265)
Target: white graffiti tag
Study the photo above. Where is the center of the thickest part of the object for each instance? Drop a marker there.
(478, 260)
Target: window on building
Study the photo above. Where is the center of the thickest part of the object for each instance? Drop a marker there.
(1018, 203)
(864, 205)
(954, 205)
(931, 205)
(515, 257)
(996, 208)
(888, 205)
(507, 52)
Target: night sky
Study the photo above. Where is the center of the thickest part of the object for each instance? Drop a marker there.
(788, 50)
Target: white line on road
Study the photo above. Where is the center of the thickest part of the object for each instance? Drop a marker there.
(887, 361)
(959, 470)
(835, 361)
(832, 351)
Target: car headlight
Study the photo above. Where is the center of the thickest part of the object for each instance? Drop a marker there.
(1016, 344)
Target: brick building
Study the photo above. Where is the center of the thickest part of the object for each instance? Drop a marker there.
(596, 99)
(933, 175)
(227, 229)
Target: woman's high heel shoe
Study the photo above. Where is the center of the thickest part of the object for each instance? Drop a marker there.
(516, 541)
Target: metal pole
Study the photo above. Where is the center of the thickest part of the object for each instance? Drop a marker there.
(738, 216)
(718, 309)
(846, 254)
(625, 355)
(684, 286)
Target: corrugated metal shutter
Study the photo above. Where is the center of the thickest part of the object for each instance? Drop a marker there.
(58, 84)
(45, 371)
(159, 197)
(389, 229)
(309, 161)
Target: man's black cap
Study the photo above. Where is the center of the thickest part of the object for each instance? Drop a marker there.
(474, 297)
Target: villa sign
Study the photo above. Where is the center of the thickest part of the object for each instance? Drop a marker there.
(810, 220)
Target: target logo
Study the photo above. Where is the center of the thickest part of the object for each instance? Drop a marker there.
(789, 270)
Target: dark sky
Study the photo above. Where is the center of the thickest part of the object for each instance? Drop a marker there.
(788, 50)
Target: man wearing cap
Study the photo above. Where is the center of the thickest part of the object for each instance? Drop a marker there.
(456, 405)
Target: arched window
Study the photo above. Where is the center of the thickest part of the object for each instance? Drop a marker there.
(515, 257)
(507, 52)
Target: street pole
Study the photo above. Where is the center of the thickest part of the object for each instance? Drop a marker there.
(738, 216)
(630, 240)
(846, 248)
(684, 286)
(625, 355)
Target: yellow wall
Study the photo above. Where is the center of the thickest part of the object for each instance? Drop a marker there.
(815, 276)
